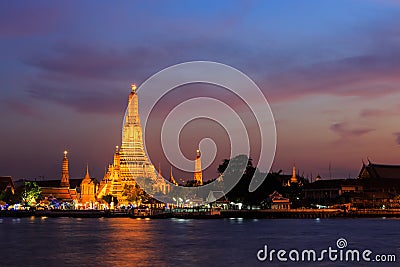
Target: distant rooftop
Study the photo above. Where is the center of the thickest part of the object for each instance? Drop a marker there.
(379, 171)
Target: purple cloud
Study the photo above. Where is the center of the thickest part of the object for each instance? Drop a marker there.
(370, 72)
(22, 20)
(90, 62)
(23, 108)
(85, 100)
(363, 76)
(66, 66)
(93, 79)
(343, 130)
(379, 112)
(90, 79)
(397, 136)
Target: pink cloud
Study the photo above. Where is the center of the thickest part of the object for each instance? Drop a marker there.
(397, 136)
(379, 112)
(23, 108)
(344, 130)
(363, 76)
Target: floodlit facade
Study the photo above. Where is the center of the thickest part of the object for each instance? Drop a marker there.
(130, 161)
(198, 173)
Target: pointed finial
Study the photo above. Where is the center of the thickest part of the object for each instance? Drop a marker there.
(65, 153)
(116, 149)
(133, 86)
(87, 176)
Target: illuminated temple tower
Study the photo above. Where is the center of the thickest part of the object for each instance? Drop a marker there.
(130, 162)
(198, 174)
(171, 177)
(88, 190)
(293, 179)
(65, 172)
(134, 162)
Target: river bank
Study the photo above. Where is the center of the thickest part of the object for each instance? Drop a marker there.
(251, 214)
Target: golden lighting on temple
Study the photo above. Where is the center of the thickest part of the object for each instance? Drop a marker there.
(133, 86)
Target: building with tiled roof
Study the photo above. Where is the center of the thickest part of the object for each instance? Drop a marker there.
(379, 171)
(6, 183)
(329, 191)
(70, 190)
(380, 177)
(278, 201)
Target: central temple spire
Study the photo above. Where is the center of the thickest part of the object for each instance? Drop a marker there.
(133, 108)
(130, 160)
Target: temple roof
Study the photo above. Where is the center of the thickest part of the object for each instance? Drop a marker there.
(6, 182)
(380, 171)
(331, 184)
(60, 193)
(73, 183)
(87, 176)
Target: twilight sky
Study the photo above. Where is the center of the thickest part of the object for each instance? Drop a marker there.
(329, 69)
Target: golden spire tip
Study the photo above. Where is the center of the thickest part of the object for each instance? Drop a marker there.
(133, 86)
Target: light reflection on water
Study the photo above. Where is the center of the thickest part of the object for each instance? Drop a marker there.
(180, 242)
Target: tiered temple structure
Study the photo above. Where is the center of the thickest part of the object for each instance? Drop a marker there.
(65, 171)
(130, 162)
(294, 179)
(198, 173)
(80, 191)
(171, 177)
(88, 190)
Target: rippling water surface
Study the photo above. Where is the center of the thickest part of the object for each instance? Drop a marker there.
(178, 242)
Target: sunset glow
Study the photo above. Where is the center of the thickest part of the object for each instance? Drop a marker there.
(329, 69)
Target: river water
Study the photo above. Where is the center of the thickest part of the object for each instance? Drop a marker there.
(181, 242)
